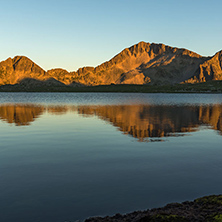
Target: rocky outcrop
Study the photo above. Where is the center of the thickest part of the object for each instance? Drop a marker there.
(61, 75)
(143, 63)
(207, 209)
(211, 69)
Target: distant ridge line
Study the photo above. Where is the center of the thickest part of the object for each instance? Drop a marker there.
(142, 63)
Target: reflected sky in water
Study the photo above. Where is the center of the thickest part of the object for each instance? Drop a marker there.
(65, 157)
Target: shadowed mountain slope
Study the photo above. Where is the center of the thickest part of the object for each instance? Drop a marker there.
(142, 63)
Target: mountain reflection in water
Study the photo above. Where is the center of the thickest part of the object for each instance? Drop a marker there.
(139, 121)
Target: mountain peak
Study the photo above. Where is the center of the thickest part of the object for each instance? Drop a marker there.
(142, 63)
(19, 57)
(17, 68)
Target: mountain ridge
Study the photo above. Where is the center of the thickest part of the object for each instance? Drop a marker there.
(142, 63)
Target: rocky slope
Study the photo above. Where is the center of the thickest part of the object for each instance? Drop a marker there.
(20, 67)
(211, 69)
(142, 63)
(208, 209)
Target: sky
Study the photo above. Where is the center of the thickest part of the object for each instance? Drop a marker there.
(71, 34)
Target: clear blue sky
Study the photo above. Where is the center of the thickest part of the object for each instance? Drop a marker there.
(74, 33)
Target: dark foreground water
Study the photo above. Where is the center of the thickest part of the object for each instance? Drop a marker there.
(70, 156)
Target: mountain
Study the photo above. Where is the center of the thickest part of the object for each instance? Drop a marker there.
(20, 67)
(143, 63)
(211, 69)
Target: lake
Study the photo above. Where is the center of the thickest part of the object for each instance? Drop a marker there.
(70, 156)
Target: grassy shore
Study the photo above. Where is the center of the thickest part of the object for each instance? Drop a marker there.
(206, 87)
(208, 209)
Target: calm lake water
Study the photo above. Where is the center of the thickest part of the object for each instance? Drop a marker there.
(69, 156)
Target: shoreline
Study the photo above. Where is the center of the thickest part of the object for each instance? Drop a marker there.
(207, 208)
(205, 87)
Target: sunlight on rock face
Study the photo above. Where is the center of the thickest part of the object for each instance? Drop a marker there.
(141, 63)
